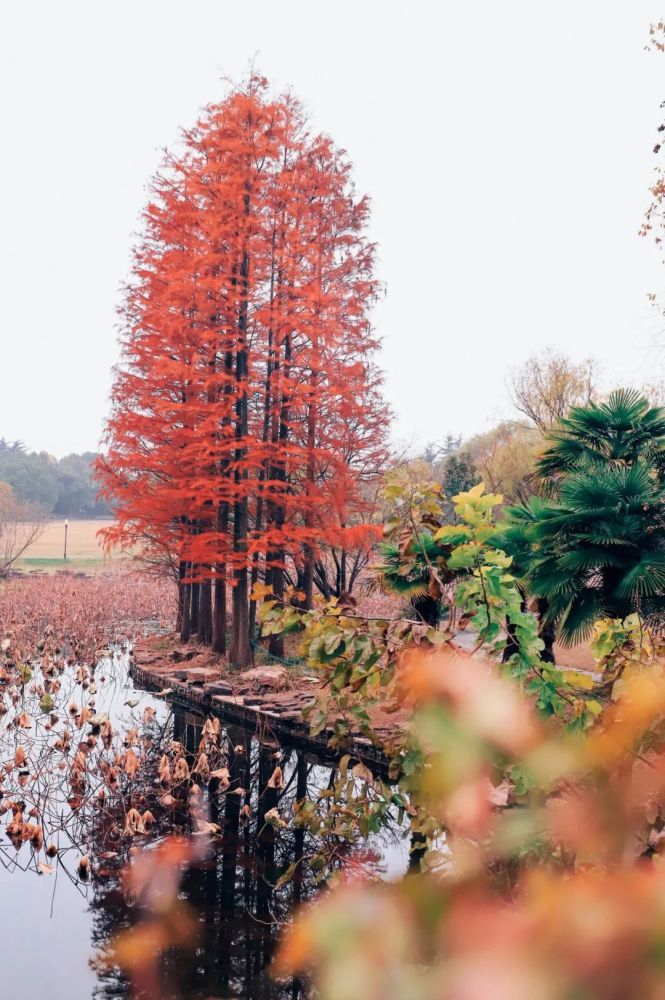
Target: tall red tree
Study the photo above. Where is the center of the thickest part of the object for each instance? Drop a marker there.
(247, 417)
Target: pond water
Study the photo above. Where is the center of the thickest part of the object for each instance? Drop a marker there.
(53, 927)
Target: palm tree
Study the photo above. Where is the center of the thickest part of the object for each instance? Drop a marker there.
(616, 433)
(598, 543)
(411, 581)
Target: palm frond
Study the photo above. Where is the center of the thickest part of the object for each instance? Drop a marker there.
(576, 623)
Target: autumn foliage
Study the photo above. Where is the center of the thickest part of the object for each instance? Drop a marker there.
(247, 421)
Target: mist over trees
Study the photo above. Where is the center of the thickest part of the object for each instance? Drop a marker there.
(64, 487)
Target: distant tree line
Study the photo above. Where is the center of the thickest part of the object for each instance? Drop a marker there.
(65, 487)
(542, 392)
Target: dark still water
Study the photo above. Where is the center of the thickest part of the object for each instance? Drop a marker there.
(56, 928)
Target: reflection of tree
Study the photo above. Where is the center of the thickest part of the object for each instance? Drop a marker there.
(238, 911)
(82, 751)
(87, 764)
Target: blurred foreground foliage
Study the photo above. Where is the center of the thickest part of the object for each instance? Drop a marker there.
(536, 795)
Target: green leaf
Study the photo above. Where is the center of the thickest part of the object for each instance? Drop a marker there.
(332, 643)
(465, 556)
(453, 533)
(46, 703)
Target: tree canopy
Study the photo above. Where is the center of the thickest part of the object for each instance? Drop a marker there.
(596, 547)
(247, 416)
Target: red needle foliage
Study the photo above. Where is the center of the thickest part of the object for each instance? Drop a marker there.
(247, 419)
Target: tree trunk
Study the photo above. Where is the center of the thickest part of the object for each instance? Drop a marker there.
(220, 619)
(205, 613)
(428, 609)
(194, 606)
(240, 652)
(181, 597)
(219, 615)
(512, 645)
(186, 623)
(546, 630)
(278, 511)
(308, 571)
(265, 435)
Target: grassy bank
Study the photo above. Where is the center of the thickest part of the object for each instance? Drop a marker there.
(84, 548)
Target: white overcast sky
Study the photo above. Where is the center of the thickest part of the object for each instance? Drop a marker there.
(506, 147)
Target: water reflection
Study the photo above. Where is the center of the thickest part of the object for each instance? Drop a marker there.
(51, 925)
(239, 914)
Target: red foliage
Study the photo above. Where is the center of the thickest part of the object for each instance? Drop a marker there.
(247, 417)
